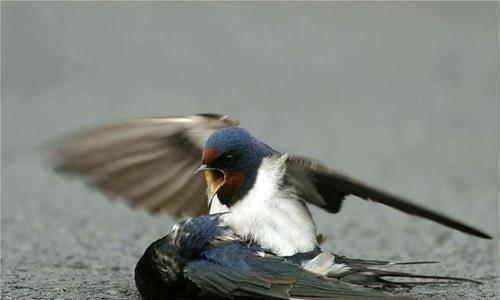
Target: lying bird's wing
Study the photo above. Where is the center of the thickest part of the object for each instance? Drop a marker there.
(147, 162)
(238, 271)
(328, 188)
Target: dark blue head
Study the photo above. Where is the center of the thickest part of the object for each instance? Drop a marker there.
(234, 157)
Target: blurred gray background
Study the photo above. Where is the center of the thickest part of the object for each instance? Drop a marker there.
(403, 95)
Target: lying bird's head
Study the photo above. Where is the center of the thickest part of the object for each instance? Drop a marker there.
(231, 159)
(159, 272)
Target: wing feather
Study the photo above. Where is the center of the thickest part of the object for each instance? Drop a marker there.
(148, 162)
(270, 277)
(328, 188)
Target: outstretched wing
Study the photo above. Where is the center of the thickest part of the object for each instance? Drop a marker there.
(149, 162)
(328, 188)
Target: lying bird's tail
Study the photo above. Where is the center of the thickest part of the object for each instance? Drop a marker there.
(376, 273)
(377, 277)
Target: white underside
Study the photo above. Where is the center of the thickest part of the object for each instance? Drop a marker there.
(271, 216)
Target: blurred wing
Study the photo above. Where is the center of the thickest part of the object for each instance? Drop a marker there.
(327, 189)
(147, 162)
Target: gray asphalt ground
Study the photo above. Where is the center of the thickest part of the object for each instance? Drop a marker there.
(403, 95)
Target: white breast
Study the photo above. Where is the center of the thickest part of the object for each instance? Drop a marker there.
(274, 218)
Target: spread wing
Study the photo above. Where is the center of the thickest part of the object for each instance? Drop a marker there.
(149, 162)
(328, 188)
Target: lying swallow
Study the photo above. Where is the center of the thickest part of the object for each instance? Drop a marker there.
(150, 162)
(202, 257)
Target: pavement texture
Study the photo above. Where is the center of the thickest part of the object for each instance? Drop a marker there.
(403, 95)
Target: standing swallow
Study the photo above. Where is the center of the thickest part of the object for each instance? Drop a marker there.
(202, 257)
(149, 163)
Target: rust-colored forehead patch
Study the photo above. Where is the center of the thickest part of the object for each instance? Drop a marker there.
(209, 155)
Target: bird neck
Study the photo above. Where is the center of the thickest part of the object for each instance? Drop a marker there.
(246, 178)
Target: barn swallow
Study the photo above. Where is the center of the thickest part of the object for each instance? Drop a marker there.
(149, 163)
(203, 257)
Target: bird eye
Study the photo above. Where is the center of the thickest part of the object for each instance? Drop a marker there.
(228, 159)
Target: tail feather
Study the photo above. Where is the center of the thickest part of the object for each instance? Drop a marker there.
(380, 280)
(369, 273)
(377, 277)
(386, 273)
(415, 262)
(370, 262)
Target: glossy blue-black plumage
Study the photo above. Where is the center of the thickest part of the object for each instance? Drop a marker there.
(159, 273)
(240, 140)
(201, 257)
(193, 234)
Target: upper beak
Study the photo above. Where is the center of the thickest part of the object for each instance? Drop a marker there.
(204, 167)
(201, 168)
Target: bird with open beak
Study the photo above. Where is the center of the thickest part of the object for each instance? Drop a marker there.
(150, 162)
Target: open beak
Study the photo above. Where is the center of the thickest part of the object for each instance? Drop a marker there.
(215, 178)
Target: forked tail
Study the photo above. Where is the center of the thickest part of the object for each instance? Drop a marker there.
(375, 273)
